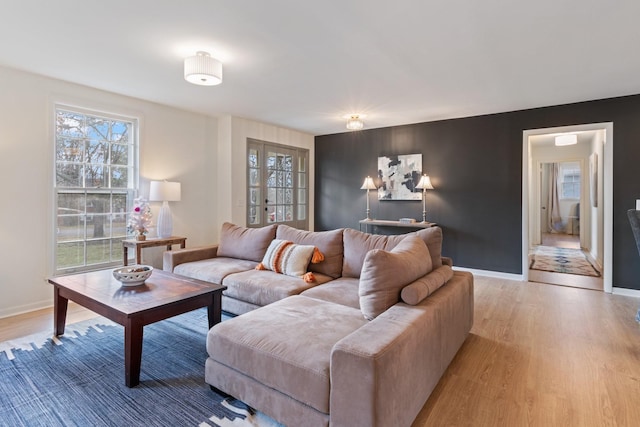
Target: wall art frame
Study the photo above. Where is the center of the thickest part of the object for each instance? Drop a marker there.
(398, 177)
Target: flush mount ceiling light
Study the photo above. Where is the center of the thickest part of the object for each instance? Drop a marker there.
(354, 122)
(203, 70)
(566, 139)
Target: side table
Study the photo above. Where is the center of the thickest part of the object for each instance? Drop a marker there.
(148, 243)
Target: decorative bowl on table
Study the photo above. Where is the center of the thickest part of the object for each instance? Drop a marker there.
(132, 275)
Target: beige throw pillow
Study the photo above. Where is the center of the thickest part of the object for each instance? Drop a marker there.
(384, 274)
(245, 243)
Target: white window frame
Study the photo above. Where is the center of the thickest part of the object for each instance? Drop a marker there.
(114, 234)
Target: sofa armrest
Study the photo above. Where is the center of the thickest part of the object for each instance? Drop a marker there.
(394, 362)
(170, 259)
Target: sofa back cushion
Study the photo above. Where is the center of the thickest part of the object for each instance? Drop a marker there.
(327, 242)
(385, 273)
(357, 244)
(245, 243)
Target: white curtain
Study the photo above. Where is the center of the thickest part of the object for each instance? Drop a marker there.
(555, 221)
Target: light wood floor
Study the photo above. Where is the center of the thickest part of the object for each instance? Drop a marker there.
(538, 355)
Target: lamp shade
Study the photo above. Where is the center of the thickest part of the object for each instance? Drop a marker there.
(425, 183)
(164, 191)
(368, 184)
(203, 70)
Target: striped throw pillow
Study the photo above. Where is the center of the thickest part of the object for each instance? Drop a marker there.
(288, 258)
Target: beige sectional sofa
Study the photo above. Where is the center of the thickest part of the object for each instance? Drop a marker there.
(363, 344)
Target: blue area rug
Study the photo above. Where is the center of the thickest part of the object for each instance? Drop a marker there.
(78, 379)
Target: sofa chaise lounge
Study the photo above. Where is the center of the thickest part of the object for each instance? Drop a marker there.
(363, 343)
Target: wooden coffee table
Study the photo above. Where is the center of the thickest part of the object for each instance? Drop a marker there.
(163, 295)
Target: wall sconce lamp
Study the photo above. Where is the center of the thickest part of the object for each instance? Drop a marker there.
(165, 192)
(368, 185)
(424, 185)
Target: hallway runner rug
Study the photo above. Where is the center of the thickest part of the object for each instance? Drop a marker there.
(561, 260)
(77, 379)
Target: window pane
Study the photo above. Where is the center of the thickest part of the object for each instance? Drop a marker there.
(254, 196)
(271, 214)
(70, 255)
(302, 196)
(120, 132)
(97, 152)
(288, 196)
(95, 176)
(69, 150)
(288, 213)
(68, 175)
(302, 180)
(302, 164)
(271, 178)
(98, 251)
(302, 212)
(119, 154)
(271, 196)
(254, 219)
(254, 161)
(253, 177)
(69, 124)
(70, 227)
(119, 177)
(288, 179)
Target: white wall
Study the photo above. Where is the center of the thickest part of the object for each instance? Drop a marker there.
(207, 155)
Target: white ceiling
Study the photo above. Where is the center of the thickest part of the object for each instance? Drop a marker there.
(305, 65)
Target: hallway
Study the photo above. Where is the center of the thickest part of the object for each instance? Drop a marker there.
(573, 280)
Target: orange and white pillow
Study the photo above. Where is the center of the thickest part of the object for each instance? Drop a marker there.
(286, 257)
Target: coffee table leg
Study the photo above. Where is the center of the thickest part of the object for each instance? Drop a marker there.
(214, 311)
(132, 352)
(59, 311)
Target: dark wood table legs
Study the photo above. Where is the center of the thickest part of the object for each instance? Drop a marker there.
(59, 311)
(133, 333)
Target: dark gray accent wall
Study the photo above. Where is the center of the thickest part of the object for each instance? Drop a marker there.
(475, 165)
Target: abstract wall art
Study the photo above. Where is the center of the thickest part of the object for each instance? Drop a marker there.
(398, 177)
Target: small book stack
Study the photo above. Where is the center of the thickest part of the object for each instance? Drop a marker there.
(406, 220)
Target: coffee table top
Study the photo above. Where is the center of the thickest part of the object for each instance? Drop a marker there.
(161, 289)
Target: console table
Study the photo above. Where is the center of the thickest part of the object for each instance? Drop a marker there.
(388, 223)
(148, 243)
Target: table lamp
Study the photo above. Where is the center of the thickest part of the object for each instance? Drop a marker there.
(424, 185)
(165, 192)
(368, 185)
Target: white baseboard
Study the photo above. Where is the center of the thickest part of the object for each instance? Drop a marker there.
(496, 274)
(626, 292)
(21, 309)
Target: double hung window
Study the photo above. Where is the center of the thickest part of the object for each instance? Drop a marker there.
(96, 177)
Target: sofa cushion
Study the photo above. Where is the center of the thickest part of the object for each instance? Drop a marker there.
(357, 244)
(328, 242)
(214, 270)
(384, 274)
(286, 345)
(284, 256)
(262, 287)
(417, 291)
(343, 290)
(245, 243)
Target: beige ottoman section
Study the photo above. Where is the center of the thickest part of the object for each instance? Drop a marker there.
(293, 356)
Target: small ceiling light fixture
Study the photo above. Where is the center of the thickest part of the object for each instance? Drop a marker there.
(354, 122)
(203, 70)
(570, 139)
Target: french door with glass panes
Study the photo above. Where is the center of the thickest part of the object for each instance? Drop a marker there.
(277, 185)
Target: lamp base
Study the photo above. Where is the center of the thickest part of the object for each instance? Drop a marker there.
(165, 222)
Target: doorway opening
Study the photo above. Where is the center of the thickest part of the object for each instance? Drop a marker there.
(567, 206)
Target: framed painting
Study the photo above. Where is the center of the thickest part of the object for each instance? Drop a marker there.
(398, 177)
